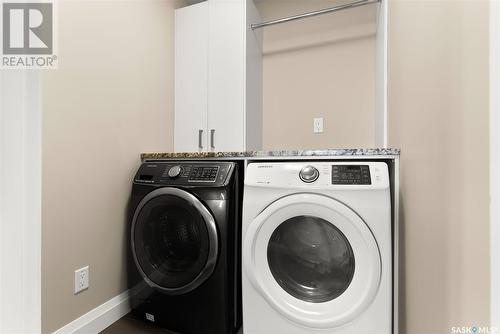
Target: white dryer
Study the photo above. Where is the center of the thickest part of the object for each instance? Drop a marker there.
(317, 251)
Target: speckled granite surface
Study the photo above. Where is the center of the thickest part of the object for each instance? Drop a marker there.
(278, 153)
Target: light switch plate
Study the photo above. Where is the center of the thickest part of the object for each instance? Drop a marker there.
(318, 125)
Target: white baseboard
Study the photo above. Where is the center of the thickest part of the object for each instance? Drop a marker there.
(99, 318)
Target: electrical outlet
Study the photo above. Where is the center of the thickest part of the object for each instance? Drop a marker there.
(318, 125)
(81, 279)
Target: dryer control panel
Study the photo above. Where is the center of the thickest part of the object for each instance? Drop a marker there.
(185, 173)
(359, 174)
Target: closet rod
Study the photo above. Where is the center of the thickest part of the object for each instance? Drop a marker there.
(310, 14)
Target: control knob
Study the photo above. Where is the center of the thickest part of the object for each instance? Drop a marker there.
(174, 171)
(309, 174)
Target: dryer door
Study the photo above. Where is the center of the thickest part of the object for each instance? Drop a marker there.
(313, 259)
(174, 241)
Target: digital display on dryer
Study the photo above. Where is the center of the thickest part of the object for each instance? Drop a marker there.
(351, 174)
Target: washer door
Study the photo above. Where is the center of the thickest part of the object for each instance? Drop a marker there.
(174, 240)
(313, 259)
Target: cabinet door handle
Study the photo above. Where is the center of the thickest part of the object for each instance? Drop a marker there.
(200, 139)
(212, 138)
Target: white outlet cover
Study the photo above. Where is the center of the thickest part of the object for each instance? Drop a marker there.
(318, 125)
(81, 279)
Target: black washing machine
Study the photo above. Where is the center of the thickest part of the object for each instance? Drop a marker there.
(184, 267)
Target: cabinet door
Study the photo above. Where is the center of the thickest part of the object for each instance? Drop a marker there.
(191, 67)
(226, 75)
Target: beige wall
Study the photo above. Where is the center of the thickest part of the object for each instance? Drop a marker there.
(318, 67)
(110, 99)
(438, 116)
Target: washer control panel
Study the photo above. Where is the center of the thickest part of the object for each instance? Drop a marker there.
(351, 174)
(185, 173)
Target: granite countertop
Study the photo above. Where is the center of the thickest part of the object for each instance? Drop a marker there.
(277, 153)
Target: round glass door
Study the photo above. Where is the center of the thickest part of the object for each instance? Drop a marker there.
(311, 259)
(174, 240)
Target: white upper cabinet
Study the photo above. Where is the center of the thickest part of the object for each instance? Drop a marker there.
(191, 77)
(218, 106)
(316, 59)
